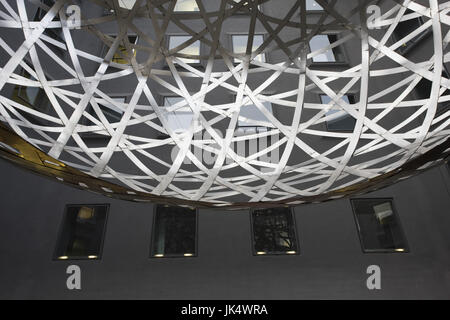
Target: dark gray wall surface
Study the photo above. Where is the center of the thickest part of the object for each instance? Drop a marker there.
(331, 263)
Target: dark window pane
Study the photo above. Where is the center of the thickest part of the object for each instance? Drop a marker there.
(122, 56)
(404, 28)
(321, 41)
(54, 33)
(111, 115)
(378, 226)
(32, 97)
(274, 231)
(337, 51)
(423, 90)
(345, 122)
(81, 234)
(174, 232)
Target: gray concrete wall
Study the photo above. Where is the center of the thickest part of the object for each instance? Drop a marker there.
(331, 263)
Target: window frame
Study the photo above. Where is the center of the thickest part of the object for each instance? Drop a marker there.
(275, 253)
(314, 10)
(406, 248)
(105, 48)
(233, 59)
(439, 109)
(56, 257)
(184, 11)
(349, 95)
(256, 127)
(241, 131)
(152, 236)
(90, 110)
(50, 32)
(42, 92)
(411, 44)
(162, 105)
(342, 53)
(125, 98)
(41, 95)
(125, 8)
(197, 65)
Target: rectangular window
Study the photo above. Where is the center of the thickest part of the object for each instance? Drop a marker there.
(404, 28)
(122, 56)
(82, 232)
(378, 226)
(251, 120)
(322, 41)
(251, 113)
(174, 232)
(343, 122)
(54, 33)
(32, 97)
(109, 110)
(127, 4)
(273, 231)
(423, 91)
(192, 49)
(186, 5)
(180, 119)
(239, 42)
(312, 5)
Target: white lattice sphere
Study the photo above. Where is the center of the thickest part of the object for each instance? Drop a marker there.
(228, 101)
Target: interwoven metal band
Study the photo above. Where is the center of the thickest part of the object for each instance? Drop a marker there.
(372, 150)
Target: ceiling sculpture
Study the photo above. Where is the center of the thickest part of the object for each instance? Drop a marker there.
(395, 134)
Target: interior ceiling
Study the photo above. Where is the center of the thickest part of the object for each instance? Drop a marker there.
(359, 160)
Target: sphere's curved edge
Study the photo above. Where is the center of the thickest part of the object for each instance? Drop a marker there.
(20, 152)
